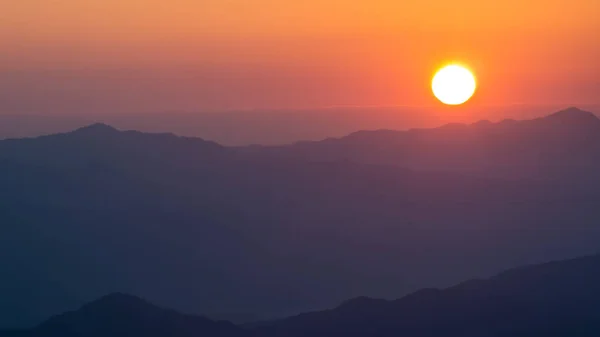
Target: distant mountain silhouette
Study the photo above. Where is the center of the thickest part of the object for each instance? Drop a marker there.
(566, 143)
(99, 142)
(208, 229)
(560, 299)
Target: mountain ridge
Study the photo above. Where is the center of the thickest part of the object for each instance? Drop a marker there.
(570, 114)
(565, 143)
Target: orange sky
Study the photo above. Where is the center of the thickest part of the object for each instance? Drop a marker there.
(223, 54)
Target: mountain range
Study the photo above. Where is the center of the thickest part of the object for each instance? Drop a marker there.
(558, 299)
(564, 144)
(278, 230)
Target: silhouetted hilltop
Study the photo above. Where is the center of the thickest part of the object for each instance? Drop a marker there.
(125, 315)
(573, 116)
(553, 299)
(96, 129)
(115, 301)
(97, 143)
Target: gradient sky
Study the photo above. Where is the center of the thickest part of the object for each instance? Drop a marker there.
(151, 55)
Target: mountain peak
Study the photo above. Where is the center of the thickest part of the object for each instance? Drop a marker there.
(118, 296)
(96, 129)
(573, 115)
(120, 300)
(115, 305)
(121, 315)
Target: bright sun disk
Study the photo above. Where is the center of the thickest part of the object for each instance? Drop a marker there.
(453, 84)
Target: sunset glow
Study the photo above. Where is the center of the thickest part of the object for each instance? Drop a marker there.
(299, 168)
(149, 55)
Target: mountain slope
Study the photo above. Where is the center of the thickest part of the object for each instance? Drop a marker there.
(559, 299)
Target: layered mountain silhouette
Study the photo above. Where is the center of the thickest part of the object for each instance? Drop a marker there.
(566, 143)
(560, 299)
(190, 224)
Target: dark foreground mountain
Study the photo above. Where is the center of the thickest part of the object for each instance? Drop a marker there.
(123, 315)
(557, 299)
(96, 210)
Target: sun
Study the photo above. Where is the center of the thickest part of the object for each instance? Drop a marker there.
(453, 84)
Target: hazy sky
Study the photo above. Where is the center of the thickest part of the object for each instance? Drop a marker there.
(149, 55)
